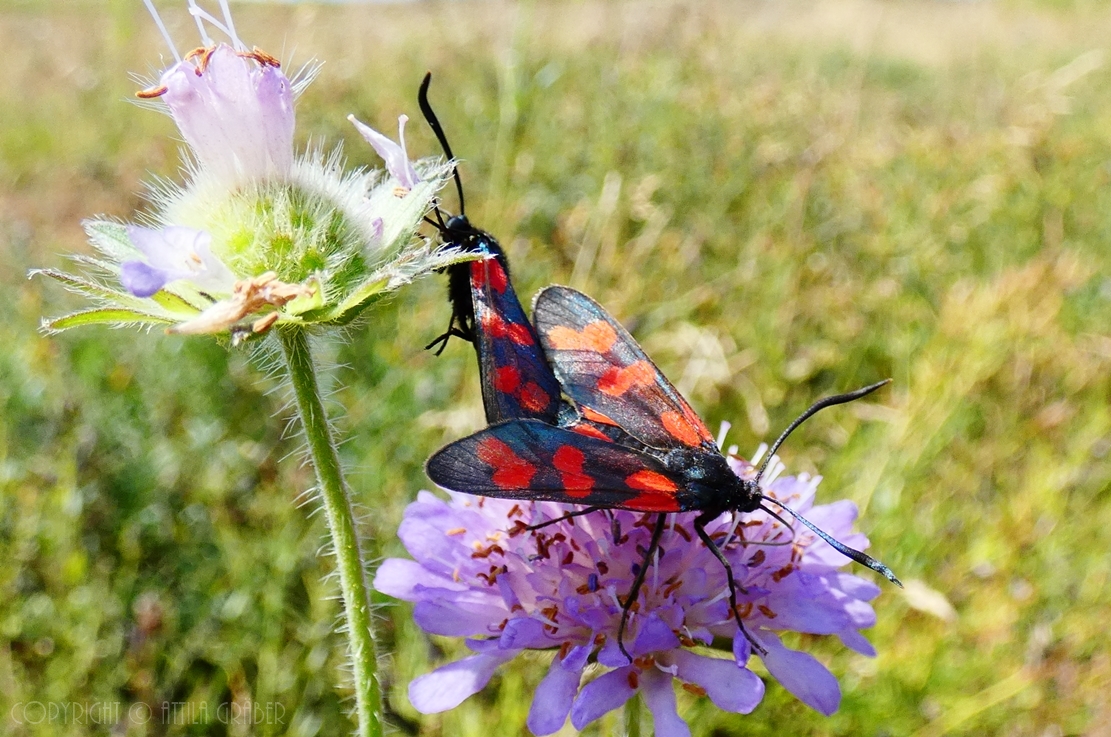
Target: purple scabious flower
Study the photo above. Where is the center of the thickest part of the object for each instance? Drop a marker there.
(477, 573)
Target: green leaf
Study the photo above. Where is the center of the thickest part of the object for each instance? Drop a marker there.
(103, 316)
(87, 288)
(111, 238)
(349, 308)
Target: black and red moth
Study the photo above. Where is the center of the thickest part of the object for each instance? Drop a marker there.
(672, 465)
(485, 311)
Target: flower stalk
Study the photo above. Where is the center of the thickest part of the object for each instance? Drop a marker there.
(336, 498)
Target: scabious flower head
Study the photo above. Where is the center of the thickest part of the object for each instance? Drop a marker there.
(256, 235)
(476, 573)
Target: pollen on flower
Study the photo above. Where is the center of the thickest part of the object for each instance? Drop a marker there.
(455, 531)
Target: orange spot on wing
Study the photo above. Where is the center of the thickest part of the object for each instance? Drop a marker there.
(599, 336)
(679, 428)
(652, 481)
(617, 381)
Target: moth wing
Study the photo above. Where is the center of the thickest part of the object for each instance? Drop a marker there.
(603, 369)
(517, 382)
(531, 460)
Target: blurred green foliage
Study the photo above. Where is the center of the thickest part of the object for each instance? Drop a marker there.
(782, 201)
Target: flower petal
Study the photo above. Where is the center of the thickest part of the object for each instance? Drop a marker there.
(730, 686)
(552, 700)
(141, 279)
(801, 674)
(446, 688)
(236, 114)
(408, 580)
(858, 642)
(457, 620)
(659, 696)
(654, 636)
(397, 160)
(601, 696)
(522, 632)
(176, 252)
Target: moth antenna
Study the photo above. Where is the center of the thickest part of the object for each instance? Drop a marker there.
(861, 558)
(434, 124)
(814, 409)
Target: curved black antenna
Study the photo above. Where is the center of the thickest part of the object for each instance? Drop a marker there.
(814, 409)
(861, 558)
(434, 124)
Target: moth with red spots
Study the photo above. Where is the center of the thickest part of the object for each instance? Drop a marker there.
(673, 464)
(485, 311)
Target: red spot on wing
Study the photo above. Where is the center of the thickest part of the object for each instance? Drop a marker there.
(507, 379)
(583, 428)
(478, 275)
(599, 336)
(652, 502)
(679, 427)
(499, 280)
(510, 470)
(520, 334)
(568, 460)
(616, 381)
(533, 397)
(652, 482)
(595, 416)
(493, 325)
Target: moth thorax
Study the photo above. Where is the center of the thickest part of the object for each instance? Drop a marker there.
(459, 222)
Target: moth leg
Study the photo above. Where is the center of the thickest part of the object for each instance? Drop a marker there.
(452, 332)
(567, 516)
(638, 582)
(700, 528)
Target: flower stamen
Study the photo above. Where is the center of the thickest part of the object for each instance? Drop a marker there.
(152, 93)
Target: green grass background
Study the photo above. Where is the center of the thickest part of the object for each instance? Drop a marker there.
(782, 200)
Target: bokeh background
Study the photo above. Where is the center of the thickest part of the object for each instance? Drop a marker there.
(781, 199)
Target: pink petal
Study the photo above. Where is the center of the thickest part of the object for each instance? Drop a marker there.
(236, 115)
(394, 154)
